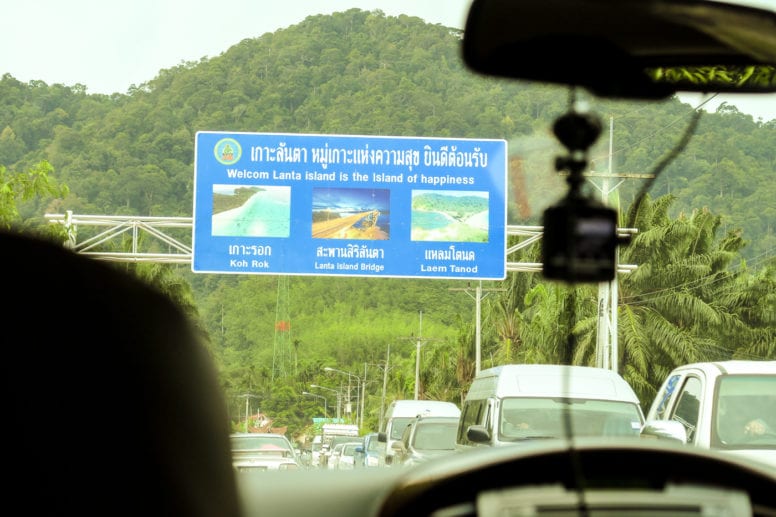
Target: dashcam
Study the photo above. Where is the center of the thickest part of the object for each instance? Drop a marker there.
(579, 242)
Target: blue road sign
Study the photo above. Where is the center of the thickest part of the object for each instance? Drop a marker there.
(302, 204)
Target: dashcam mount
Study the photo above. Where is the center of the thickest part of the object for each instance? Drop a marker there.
(580, 233)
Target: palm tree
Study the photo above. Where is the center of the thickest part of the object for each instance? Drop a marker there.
(505, 318)
(752, 299)
(669, 310)
(553, 312)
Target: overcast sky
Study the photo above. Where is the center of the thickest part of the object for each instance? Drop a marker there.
(109, 46)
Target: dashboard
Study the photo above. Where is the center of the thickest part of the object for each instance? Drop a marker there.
(627, 477)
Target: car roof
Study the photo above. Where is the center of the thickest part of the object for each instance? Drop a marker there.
(551, 380)
(411, 408)
(715, 368)
(343, 445)
(243, 435)
(432, 418)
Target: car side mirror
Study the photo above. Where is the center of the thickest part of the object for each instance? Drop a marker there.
(665, 430)
(478, 434)
(382, 437)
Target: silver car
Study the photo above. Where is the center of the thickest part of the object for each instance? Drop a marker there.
(348, 452)
(426, 437)
(252, 452)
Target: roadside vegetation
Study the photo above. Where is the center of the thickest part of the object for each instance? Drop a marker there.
(704, 289)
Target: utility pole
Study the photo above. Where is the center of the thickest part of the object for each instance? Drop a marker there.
(248, 397)
(419, 341)
(606, 336)
(385, 387)
(417, 356)
(363, 396)
(478, 320)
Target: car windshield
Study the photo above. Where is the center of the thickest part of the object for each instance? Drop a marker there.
(435, 436)
(398, 426)
(344, 213)
(257, 442)
(349, 449)
(745, 412)
(338, 441)
(375, 445)
(524, 418)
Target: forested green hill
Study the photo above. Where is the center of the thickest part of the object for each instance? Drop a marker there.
(360, 72)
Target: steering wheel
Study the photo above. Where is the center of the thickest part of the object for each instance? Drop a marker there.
(766, 437)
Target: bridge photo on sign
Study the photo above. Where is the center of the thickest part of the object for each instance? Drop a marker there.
(348, 213)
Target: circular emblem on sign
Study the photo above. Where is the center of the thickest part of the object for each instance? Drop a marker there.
(227, 151)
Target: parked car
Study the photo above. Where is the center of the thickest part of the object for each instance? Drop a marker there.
(725, 405)
(425, 438)
(373, 451)
(348, 454)
(252, 452)
(343, 454)
(332, 447)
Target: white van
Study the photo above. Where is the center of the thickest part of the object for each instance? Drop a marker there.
(511, 403)
(402, 412)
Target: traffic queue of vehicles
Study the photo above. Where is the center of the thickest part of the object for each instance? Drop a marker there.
(699, 404)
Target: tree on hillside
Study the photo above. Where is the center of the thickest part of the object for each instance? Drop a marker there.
(683, 304)
(17, 187)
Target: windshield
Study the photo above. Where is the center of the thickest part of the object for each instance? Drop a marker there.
(349, 449)
(745, 412)
(344, 216)
(258, 442)
(374, 445)
(523, 418)
(435, 436)
(398, 424)
(335, 441)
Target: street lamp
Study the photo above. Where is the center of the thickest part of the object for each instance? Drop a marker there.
(359, 392)
(339, 396)
(325, 402)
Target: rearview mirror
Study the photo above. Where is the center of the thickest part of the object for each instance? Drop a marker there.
(640, 49)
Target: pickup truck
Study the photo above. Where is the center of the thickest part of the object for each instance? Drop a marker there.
(726, 405)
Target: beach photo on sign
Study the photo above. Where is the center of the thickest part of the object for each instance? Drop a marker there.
(251, 211)
(449, 215)
(351, 213)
